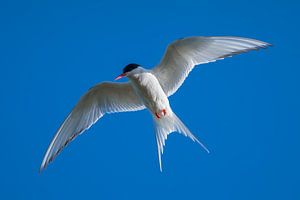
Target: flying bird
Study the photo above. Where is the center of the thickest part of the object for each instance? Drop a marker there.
(149, 89)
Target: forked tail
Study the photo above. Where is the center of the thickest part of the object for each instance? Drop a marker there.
(166, 125)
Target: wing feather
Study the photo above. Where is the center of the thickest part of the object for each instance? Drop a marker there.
(101, 99)
(184, 54)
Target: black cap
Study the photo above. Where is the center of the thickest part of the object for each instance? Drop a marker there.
(130, 67)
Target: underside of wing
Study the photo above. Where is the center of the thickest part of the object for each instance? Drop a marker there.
(182, 55)
(101, 99)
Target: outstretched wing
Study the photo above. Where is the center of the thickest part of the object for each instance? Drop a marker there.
(103, 98)
(182, 55)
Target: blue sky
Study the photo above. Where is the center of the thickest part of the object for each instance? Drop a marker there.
(245, 108)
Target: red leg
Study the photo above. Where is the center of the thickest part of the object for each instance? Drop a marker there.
(157, 115)
(164, 112)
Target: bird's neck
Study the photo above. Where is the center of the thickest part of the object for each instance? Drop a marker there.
(138, 75)
(136, 72)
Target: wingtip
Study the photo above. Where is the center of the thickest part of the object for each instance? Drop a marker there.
(269, 45)
(42, 167)
(266, 45)
(40, 170)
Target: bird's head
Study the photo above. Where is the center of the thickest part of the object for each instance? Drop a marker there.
(128, 69)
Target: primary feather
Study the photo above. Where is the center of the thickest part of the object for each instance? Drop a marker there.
(101, 99)
(184, 54)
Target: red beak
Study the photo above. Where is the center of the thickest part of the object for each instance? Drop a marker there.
(120, 76)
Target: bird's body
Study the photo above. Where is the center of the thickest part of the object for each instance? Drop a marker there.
(149, 89)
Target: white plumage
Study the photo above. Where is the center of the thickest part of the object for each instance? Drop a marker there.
(149, 89)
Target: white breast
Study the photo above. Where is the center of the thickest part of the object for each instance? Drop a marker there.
(150, 91)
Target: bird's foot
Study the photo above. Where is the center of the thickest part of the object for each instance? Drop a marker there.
(159, 114)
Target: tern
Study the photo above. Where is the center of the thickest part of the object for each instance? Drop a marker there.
(149, 89)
